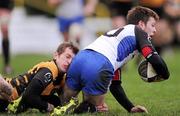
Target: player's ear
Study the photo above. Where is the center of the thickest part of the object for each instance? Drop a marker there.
(55, 55)
(141, 24)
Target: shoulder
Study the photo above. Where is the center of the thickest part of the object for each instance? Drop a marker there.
(129, 29)
(49, 65)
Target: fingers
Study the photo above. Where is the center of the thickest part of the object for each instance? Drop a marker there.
(50, 107)
(102, 108)
(138, 109)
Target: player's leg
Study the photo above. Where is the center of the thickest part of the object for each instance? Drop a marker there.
(65, 109)
(74, 81)
(69, 101)
(96, 77)
(92, 103)
(64, 24)
(68, 93)
(85, 107)
(76, 30)
(94, 99)
(5, 17)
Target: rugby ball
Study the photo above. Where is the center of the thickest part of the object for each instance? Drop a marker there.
(147, 72)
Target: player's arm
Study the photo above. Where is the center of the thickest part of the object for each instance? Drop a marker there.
(147, 50)
(118, 92)
(32, 94)
(90, 7)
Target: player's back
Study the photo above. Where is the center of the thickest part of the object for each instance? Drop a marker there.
(118, 45)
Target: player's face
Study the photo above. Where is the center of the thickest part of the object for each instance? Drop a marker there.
(63, 60)
(150, 27)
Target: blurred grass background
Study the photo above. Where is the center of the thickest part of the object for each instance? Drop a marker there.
(160, 98)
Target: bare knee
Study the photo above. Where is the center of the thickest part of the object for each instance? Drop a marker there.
(67, 94)
(94, 99)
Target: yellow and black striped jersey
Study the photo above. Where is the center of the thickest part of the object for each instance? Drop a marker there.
(51, 79)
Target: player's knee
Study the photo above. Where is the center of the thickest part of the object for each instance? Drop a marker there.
(84, 107)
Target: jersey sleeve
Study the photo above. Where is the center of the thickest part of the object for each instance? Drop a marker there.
(118, 92)
(146, 48)
(144, 44)
(117, 75)
(33, 91)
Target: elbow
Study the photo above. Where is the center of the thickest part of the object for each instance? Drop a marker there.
(165, 72)
(166, 75)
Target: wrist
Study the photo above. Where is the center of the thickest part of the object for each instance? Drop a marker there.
(129, 109)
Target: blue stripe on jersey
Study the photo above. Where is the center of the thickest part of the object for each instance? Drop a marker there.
(126, 47)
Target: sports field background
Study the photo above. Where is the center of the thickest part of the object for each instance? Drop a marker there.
(161, 98)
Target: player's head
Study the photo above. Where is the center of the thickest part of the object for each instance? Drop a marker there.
(64, 55)
(144, 17)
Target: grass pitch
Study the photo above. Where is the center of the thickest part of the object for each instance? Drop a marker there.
(160, 98)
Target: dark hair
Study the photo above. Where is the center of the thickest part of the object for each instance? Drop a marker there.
(140, 13)
(61, 48)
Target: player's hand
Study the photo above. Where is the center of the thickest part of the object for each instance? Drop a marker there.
(138, 109)
(102, 108)
(50, 107)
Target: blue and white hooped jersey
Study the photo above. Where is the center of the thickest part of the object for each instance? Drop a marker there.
(119, 45)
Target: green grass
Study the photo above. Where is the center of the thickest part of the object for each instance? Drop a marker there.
(160, 98)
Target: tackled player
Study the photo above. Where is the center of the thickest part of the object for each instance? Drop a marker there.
(39, 83)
